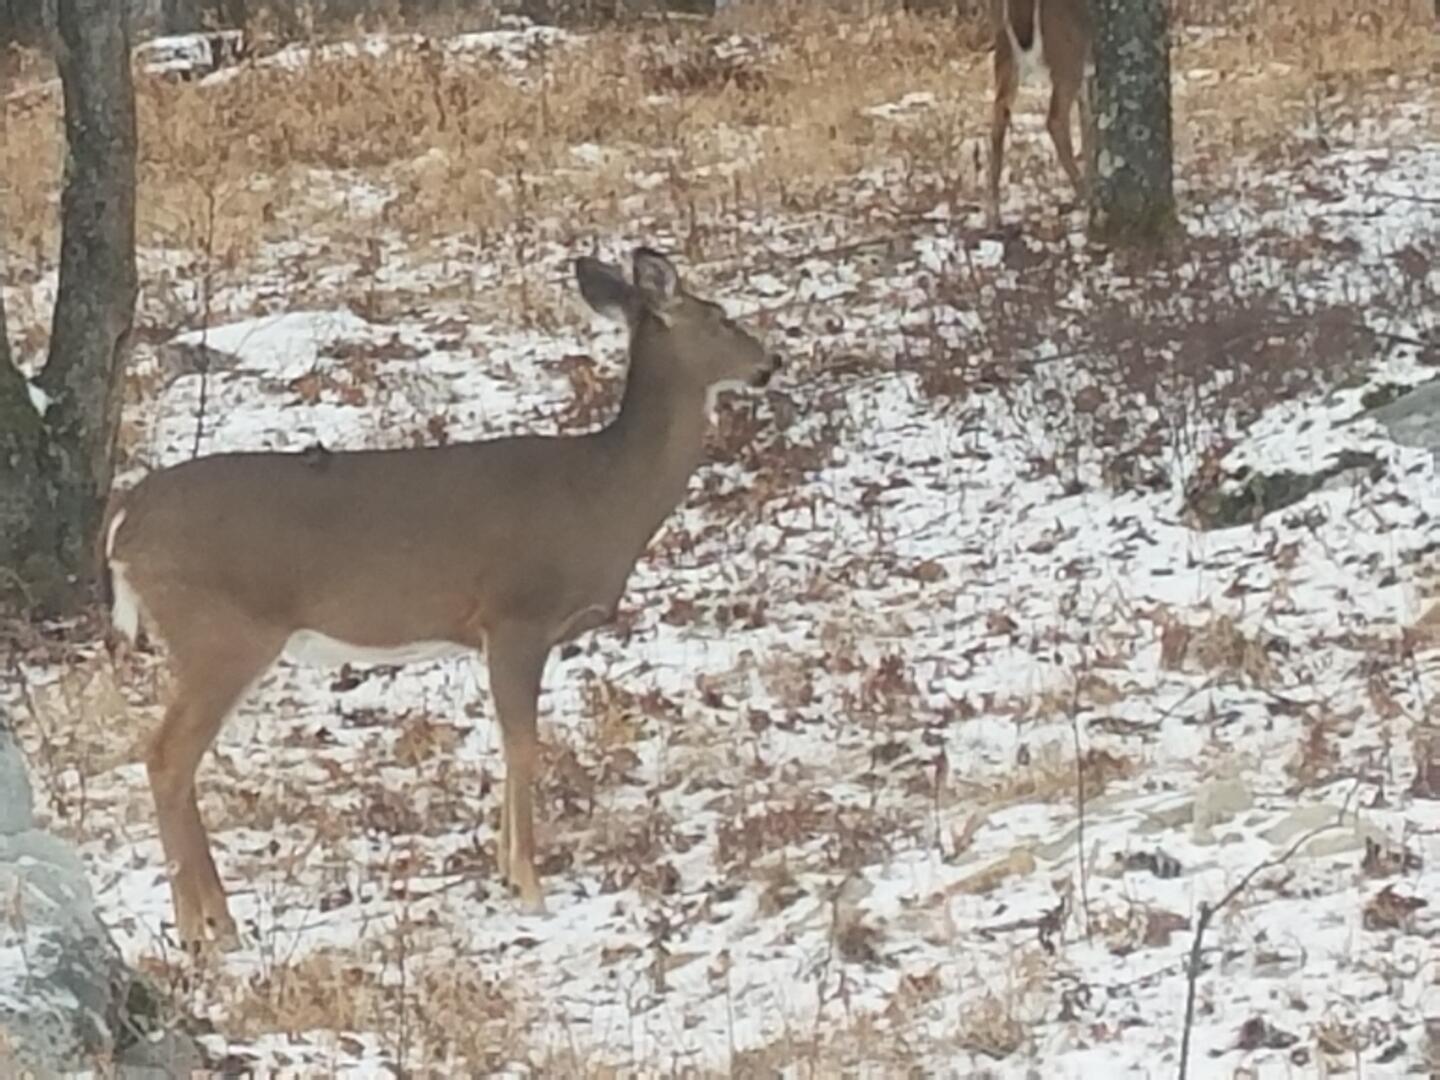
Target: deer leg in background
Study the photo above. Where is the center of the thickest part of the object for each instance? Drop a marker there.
(1062, 104)
(1007, 83)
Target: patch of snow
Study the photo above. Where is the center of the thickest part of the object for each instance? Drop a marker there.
(39, 399)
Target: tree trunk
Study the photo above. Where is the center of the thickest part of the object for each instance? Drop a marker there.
(55, 470)
(28, 527)
(191, 16)
(1134, 194)
(22, 22)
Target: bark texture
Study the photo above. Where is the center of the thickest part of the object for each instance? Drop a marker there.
(55, 470)
(1134, 190)
(189, 16)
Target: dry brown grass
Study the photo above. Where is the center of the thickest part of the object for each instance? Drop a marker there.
(1047, 774)
(457, 147)
(82, 727)
(460, 149)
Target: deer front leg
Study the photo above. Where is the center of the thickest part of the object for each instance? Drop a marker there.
(517, 661)
(171, 762)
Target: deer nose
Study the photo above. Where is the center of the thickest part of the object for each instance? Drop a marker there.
(772, 365)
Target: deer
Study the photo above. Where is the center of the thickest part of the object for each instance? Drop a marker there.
(1031, 35)
(506, 547)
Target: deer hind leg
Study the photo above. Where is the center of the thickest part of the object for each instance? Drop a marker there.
(215, 657)
(1087, 138)
(517, 660)
(1007, 83)
(1063, 96)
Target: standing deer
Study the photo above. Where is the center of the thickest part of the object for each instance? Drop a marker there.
(511, 546)
(1030, 35)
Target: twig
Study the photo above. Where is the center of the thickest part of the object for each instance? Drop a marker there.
(48, 752)
(205, 294)
(1209, 684)
(1209, 911)
(1080, 807)
(1401, 196)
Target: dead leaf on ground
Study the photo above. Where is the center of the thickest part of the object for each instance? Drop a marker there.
(1174, 643)
(1389, 910)
(998, 623)
(1383, 860)
(1018, 863)
(1426, 784)
(1160, 925)
(1258, 1034)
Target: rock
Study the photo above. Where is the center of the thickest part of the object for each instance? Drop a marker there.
(1412, 419)
(15, 797)
(1019, 863)
(1338, 842)
(1302, 819)
(1220, 500)
(1059, 846)
(1219, 801)
(68, 1002)
(190, 56)
(1170, 814)
(1349, 835)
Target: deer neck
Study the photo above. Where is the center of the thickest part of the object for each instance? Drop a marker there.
(657, 440)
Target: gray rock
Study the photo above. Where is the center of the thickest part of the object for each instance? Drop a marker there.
(15, 797)
(1346, 836)
(1219, 801)
(68, 1002)
(1413, 419)
(1170, 814)
(1300, 820)
(1340, 842)
(161, 1056)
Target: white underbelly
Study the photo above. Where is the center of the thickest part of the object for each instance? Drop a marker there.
(322, 650)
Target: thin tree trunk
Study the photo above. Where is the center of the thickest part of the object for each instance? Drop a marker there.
(55, 470)
(28, 574)
(1134, 193)
(190, 16)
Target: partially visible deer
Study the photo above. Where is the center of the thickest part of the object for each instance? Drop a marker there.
(1033, 36)
(510, 546)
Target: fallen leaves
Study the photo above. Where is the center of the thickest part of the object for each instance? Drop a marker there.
(1390, 910)
(1426, 784)
(1019, 863)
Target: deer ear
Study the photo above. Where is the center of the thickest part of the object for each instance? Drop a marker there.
(604, 288)
(656, 279)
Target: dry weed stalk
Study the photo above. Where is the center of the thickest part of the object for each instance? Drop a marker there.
(1208, 912)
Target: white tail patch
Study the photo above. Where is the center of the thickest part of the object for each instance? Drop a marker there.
(125, 607)
(125, 602)
(311, 647)
(115, 523)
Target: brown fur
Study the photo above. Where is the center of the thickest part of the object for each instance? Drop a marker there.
(510, 545)
(1065, 34)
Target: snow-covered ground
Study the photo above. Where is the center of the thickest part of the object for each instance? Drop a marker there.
(813, 804)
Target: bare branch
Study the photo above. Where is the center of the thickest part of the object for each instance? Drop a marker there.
(1209, 911)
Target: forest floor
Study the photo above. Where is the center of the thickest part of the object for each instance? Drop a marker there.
(940, 719)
